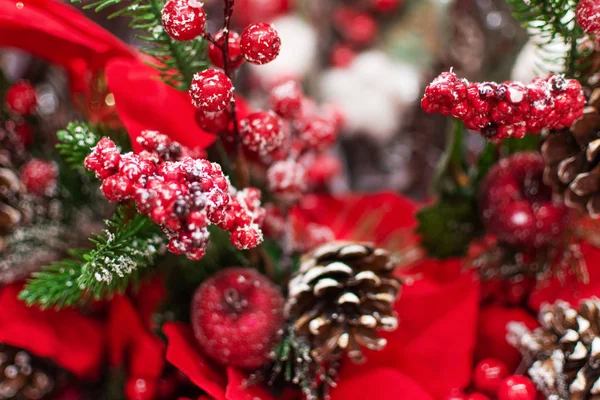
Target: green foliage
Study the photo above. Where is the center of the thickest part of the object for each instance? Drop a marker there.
(555, 21)
(176, 61)
(120, 255)
(75, 143)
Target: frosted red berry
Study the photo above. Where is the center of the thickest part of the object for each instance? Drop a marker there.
(260, 43)
(141, 389)
(21, 98)
(237, 316)
(234, 51)
(517, 206)
(319, 133)
(40, 177)
(287, 179)
(508, 109)
(262, 132)
(104, 159)
(516, 387)
(286, 99)
(213, 122)
(184, 19)
(488, 375)
(321, 169)
(587, 14)
(211, 90)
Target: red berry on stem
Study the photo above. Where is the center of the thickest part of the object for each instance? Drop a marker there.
(588, 15)
(39, 177)
(488, 375)
(287, 179)
(141, 389)
(260, 43)
(237, 315)
(213, 122)
(516, 387)
(322, 169)
(184, 19)
(234, 51)
(286, 99)
(211, 90)
(319, 133)
(262, 132)
(359, 28)
(21, 98)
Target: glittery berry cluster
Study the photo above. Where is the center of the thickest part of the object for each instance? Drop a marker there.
(507, 109)
(182, 194)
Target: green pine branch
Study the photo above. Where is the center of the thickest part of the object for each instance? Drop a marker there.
(554, 21)
(121, 252)
(176, 61)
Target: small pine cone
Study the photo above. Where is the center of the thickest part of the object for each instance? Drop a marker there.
(565, 351)
(26, 377)
(10, 189)
(571, 157)
(343, 293)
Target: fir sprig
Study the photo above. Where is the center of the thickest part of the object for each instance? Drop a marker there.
(121, 252)
(176, 61)
(554, 21)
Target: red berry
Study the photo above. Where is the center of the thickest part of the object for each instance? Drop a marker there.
(287, 179)
(477, 396)
(141, 389)
(588, 16)
(286, 99)
(488, 375)
(237, 315)
(21, 98)
(361, 29)
(213, 122)
(384, 6)
(319, 133)
(342, 56)
(249, 11)
(262, 132)
(39, 177)
(246, 237)
(211, 90)
(117, 188)
(184, 19)
(234, 51)
(321, 169)
(455, 395)
(260, 43)
(516, 387)
(517, 206)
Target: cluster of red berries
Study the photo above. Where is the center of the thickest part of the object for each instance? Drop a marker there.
(182, 194)
(492, 381)
(508, 109)
(517, 206)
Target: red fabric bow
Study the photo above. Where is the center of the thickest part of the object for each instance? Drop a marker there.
(73, 341)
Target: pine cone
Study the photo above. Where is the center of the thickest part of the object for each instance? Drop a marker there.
(26, 377)
(342, 294)
(564, 351)
(572, 160)
(10, 188)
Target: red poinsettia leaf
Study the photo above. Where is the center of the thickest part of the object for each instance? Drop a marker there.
(144, 102)
(185, 356)
(491, 342)
(129, 336)
(58, 33)
(379, 383)
(73, 341)
(384, 218)
(148, 298)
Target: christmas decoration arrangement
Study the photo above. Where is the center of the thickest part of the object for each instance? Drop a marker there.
(177, 219)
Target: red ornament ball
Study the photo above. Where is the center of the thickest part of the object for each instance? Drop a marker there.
(262, 132)
(213, 122)
(488, 375)
(260, 43)
(286, 99)
(517, 206)
(184, 19)
(587, 14)
(39, 177)
(21, 98)
(384, 6)
(237, 316)
(516, 387)
(141, 389)
(234, 51)
(211, 90)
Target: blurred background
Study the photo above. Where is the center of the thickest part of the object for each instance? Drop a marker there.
(371, 59)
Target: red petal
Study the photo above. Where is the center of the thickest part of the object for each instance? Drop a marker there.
(379, 383)
(183, 354)
(144, 102)
(73, 341)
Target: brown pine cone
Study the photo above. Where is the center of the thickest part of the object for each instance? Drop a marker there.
(572, 160)
(343, 293)
(10, 189)
(565, 351)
